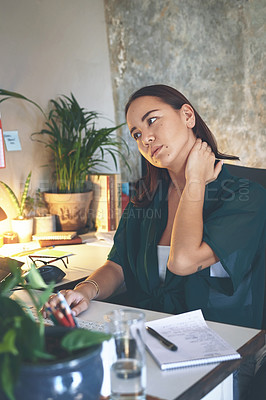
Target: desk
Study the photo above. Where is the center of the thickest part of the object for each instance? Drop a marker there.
(192, 383)
(85, 259)
(195, 382)
(214, 381)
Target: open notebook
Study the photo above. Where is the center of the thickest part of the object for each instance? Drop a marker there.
(197, 343)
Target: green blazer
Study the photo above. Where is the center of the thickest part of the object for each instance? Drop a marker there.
(234, 215)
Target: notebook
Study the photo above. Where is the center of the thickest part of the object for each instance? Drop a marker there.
(54, 235)
(197, 343)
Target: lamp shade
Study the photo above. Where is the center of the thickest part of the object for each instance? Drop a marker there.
(3, 215)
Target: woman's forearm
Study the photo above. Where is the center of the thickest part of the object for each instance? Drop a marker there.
(186, 238)
(109, 278)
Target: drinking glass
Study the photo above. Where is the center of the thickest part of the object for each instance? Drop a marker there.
(128, 371)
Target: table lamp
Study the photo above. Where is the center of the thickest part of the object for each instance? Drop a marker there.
(3, 215)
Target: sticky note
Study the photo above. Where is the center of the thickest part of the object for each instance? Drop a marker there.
(12, 141)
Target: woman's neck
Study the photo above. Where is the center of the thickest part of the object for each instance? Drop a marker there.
(178, 168)
(178, 180)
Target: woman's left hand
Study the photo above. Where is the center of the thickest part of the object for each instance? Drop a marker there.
(201, 164)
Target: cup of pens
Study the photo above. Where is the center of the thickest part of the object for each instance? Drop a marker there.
(61, 314)
(128, 371)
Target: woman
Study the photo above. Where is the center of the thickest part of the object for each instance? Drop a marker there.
(193, 236)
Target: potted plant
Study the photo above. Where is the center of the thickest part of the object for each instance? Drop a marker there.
(39, 362)
(43, 221)
(23, 223)
(78, 148)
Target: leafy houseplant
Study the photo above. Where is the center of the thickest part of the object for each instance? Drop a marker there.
(76, 144)
(22, 205)
(40, 208)
(22, 224)
(23, 343)
(43, 221)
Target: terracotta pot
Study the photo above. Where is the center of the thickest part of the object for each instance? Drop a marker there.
(71, 209)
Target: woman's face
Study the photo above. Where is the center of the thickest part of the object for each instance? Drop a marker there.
(164, 135)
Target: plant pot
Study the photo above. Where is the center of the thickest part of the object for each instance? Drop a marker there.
(76, 377)
(45, 223)
(23, 228)
(71, 209)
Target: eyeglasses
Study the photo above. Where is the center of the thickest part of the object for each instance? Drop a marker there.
(39, 262)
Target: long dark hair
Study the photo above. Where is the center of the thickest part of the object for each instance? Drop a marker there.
(146, 186)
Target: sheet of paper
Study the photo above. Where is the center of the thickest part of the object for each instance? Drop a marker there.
(52, 253)
(196, 342)
(12, 141)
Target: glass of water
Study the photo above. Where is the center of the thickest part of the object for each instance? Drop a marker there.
(128, 371)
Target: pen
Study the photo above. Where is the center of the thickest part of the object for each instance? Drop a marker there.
(66, 310)
(169, 345)
(50, 314)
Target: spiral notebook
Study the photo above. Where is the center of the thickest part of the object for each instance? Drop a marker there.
(197, 343)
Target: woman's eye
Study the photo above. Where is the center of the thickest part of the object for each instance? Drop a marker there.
(151, 120)
(136, 135)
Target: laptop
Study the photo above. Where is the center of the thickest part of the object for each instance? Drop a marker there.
(4, 266)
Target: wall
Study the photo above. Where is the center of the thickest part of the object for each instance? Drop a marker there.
(49, 48)
(211, 50)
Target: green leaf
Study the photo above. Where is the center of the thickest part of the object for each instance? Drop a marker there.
(8, 284)
(45, 294)
(9, 309)
(35, 279)
(9, 94)
(8, 375)
(82, 338)
(8, 343)
(12, 280)
(44, 355)
(18, 205)
(12, 196)
(24, 195)
(30, 342)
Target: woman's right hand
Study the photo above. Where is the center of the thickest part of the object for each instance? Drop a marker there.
(77, 299)
(109, 278)
(200, 165)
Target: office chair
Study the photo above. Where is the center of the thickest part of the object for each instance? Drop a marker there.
(253, 174)
(256, 175)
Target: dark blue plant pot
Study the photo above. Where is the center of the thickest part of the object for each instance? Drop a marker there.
(78, 377)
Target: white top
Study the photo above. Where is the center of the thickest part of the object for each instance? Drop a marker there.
(163, 254)
(216, 270)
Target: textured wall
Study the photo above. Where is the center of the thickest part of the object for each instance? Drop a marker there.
(211, 50)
